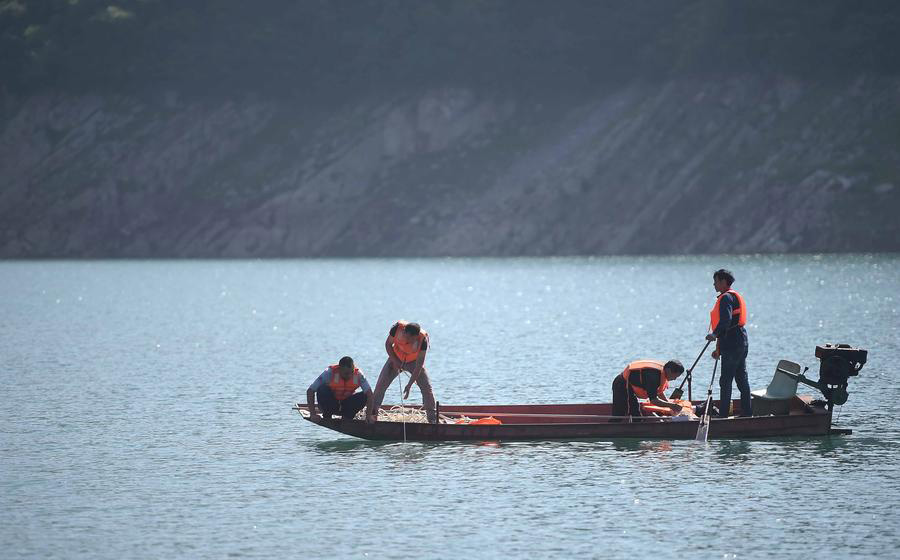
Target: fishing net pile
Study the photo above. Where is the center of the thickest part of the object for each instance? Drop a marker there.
(687, 411)
(399, 413)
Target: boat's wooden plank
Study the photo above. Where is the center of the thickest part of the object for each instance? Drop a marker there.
(731, 428)
(573, 421)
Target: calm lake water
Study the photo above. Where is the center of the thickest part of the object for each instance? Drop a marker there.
(145, 410)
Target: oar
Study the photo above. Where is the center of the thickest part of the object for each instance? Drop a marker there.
(703, 429)
(677, 393)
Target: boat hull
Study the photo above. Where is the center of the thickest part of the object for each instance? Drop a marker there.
(564, 422)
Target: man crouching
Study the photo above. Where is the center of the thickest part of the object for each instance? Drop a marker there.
(646, 379)
(336, 391)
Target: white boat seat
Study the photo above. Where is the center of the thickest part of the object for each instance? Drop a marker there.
(776, 398)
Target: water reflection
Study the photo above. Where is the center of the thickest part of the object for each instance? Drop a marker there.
(733, 451)
(349, 445)
(642, 446)
(831, 444)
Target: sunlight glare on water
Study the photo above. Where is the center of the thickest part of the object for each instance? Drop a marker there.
(146, 410)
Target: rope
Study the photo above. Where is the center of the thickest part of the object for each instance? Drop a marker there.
(412, 416)
(691, 370)
(703, 428)
(402, 402)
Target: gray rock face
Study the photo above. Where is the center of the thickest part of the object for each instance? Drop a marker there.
(740, 164)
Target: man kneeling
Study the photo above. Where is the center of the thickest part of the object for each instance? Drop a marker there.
(645, 379)
(335, 389)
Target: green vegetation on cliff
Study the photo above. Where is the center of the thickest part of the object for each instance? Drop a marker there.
(332, 45)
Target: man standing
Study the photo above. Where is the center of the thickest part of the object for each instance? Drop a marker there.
(727, 320)
(406, 346)
(645, 379)
(336, 391)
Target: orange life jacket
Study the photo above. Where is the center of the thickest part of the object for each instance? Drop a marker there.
(634, 375)
(407, 351)
(740, 311)
(487, 420)
(341, 388)
(662, 410)
(647, 409)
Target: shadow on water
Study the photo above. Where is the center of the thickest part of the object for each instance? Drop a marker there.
(734, 451)
(641, 446)
(343, 445)
(731, 451)
(349, 445)
(743, 449)
(406, 453)
(412, 453)
(832, 444)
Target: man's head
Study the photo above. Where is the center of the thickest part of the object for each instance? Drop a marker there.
(410, 331)
(673, 369)
(346, 367)
(722, 280)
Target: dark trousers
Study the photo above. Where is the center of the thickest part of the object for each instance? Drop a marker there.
(347, 408)
(625, 402)
(734, 369)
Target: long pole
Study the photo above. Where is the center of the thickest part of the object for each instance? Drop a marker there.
(703, 428)
(677, 393)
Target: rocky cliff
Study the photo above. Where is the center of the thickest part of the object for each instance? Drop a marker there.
(736, 164)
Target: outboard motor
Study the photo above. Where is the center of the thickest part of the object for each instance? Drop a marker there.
(837, 364)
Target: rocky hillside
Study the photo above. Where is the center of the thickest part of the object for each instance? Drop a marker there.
(736, 165)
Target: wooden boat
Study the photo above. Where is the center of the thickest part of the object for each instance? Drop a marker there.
(584, 421)
(780, 415)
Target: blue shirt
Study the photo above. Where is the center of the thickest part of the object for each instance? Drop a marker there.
(325, 377)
